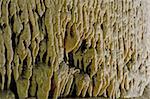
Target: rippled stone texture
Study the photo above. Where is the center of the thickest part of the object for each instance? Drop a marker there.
(70, 48)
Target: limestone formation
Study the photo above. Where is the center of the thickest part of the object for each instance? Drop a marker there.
(74, 48)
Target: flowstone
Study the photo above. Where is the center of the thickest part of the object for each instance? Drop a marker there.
(74, 48)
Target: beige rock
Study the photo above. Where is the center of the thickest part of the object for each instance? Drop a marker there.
(69, 48)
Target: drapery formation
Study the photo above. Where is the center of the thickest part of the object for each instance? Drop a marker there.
(69, 48)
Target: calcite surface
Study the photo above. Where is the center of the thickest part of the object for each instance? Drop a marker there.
(74, 48)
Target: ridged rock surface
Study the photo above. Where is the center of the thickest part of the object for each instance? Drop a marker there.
(73, 48)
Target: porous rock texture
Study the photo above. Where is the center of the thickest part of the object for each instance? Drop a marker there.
(73, 48)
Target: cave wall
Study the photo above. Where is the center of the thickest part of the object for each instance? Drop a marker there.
(74, 48)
